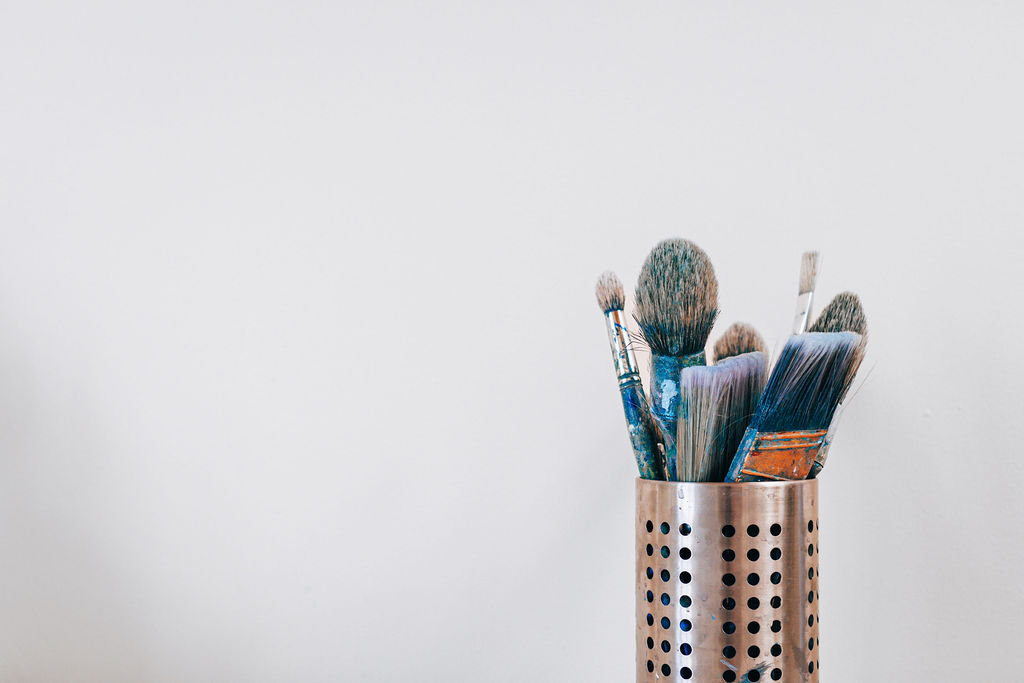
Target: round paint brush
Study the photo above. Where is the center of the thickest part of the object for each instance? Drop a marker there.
(805, 295)
(737, 339)
(676, 306)
(843, 314)
(643, 432)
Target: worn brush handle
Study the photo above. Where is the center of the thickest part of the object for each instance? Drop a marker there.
(665, 399)
(803, 312)
(643, 433)
(649, 459)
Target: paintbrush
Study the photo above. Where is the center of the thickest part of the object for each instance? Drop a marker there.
(843, 314)
(715, 407)
(676, 306)
(805, 297)
(643, 432)
(738, 338)
(810, 378)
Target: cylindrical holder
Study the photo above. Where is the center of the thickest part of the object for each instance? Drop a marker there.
(727, 581)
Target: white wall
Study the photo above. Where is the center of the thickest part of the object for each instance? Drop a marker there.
(301, 376)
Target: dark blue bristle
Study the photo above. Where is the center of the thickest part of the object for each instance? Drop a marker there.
(810, 378)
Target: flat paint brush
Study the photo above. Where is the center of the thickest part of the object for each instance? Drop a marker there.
(809, 380)
(715, 409)
(738, 338)
(843, 314)
(676, 306)
(643, 432)
(805, 295)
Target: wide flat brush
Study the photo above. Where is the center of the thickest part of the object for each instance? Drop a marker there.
(810, 378)
(805, 295)
(643, 434)
(843, 314)
(738, 338)
(715, 408)
(676, 306)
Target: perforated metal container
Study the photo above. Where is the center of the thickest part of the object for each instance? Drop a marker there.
(727, 581)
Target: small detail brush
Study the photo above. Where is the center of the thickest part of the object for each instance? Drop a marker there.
(804, 299)
(643, 433)
(738, 338)
(676, 306)
(810, 378)
(843, 314)
(715, 408)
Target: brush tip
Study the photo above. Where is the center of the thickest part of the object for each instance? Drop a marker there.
(843, 314)
(808, 271)
(611, 296)
(676, 298)
(738, 338)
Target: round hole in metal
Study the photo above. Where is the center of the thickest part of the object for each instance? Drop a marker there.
(810, 573)
(650, 549)
(753, 651)
(728, 603)
(753, 530)
(728, 555)
(685, 672)
(666, 669)
(753, 627)
(665, 528)
(810, 621)
(666, 646)
(753, 555)
(650, 665)
(776, 578)
(728, 579)
(776, 602)
(650, 643)
(728, 531)
(684, 529)
(810, 643)
(666, 623)
(685, 577)
(775, 529)
(666, 599)
(665, 575)
(776, 626)
(810, 549)
(665, 552)
(685, 601)
(753, 603)
(753, 675)
(810, 526)
(776, 553)
(685, 648)
(685, 553)
(810, 596)
(729, 676)
(650, 620)
(650, 573)
(729, 627)
(810, 667)
(685, 625)
(728, 652)
(753, 579)
(776, 674)
(650, 596)
(776, 650)
(650, 526)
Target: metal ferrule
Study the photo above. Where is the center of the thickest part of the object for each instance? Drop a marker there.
(776, 456)
(622, 348)
(822, 456)
(727, 582)
(665, 398)
(803, 312)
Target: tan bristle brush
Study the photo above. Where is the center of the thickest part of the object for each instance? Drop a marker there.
(643, 432)
(738, 338)
(676, 306)
(843, 314)
(805, 297)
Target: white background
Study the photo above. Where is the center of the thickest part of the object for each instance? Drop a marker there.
(301, 374)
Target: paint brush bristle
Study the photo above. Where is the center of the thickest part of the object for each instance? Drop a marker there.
(810, 378)
(715, 408)
(611, 296)
(843, 314)
(738, 338)
(676, 298)
(808, 271)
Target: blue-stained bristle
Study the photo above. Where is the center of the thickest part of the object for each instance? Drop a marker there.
(810, 378)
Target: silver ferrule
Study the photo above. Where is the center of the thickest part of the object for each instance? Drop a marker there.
(803, 312)
(622, 350)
